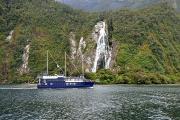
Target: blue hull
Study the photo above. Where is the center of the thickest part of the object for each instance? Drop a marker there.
(62, 82)
(57, 85)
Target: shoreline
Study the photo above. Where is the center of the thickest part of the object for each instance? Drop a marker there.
(32, 84)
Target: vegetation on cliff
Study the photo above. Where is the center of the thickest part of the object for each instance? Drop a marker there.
(147, 40)
(45, 25)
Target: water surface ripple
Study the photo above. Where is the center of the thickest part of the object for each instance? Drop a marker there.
(122, 102)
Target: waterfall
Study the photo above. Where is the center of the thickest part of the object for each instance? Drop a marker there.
(103, 50)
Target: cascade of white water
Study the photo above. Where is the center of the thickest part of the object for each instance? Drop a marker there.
(103, 51)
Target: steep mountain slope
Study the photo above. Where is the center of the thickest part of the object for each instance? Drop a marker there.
(145, 43)
(148, 39)
(44, 25)
(102, 5)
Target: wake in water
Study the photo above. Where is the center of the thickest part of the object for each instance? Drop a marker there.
(18, 87)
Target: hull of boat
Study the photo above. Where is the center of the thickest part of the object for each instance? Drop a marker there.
(60, 84)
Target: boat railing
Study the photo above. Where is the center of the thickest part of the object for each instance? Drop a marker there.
(74, 79)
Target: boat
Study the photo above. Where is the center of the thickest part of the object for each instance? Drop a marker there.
(62, 81)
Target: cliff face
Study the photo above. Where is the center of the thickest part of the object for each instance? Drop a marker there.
(24, 69)
(145, 40)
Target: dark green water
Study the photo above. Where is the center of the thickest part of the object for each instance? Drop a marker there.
(122, 102)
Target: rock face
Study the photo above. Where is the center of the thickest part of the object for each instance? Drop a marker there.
(77, 52)
(24, 67)
(9, 37)
(103, 50)
(73, 45)
(82, 45)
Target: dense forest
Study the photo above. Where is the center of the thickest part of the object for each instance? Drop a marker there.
(147, 40)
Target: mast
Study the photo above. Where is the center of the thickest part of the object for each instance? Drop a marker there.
(47, 63)
(82, 57)
(65, 65)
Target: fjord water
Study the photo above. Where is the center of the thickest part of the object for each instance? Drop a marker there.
(123, 102)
